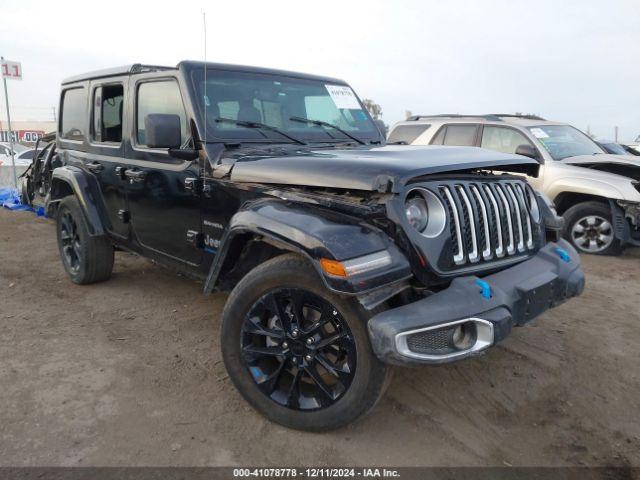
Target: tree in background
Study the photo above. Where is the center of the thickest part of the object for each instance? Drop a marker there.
(374, 109)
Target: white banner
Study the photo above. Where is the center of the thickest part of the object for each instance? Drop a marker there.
(11, 70)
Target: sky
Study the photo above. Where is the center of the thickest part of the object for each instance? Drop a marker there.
(571, 61)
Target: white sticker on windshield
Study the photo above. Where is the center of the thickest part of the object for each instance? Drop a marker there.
(343, 97)
(539, 133)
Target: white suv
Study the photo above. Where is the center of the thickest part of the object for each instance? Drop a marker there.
(597, 193)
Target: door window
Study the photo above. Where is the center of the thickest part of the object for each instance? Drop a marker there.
(439, 138)
(406, 134)
(74, 103)
(460, 135)
(159, 97)
(501, 139)
(107, 113)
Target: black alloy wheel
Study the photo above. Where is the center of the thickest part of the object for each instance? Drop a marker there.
(298, 349)
(86, 258)
(70, 240)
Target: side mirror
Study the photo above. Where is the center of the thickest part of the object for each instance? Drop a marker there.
(162, 130)
(527, 150)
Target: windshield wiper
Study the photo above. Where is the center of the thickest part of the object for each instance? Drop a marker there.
(244, 123)
(327, 124)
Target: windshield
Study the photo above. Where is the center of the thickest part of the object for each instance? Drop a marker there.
(564, 141)
(276, 101)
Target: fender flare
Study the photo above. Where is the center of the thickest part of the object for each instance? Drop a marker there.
(314, 233)
(86, 190)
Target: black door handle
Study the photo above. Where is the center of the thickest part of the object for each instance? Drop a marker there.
(135, 175)
(95, 167)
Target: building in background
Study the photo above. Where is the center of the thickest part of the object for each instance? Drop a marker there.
(26, 132)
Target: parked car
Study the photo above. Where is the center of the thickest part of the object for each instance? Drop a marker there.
(343, 256)
(633, 148)
(5, 154)
(612, 147)
(5, 148)
(598, 194)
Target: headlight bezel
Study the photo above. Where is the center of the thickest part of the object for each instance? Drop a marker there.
(436, 216)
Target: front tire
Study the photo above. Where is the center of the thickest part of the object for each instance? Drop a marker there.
(589, 228)
(86, 259)
(298, 353)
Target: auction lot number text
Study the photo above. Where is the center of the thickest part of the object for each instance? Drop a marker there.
(315, 473)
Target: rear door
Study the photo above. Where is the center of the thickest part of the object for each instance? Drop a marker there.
(165, 214)
(105, 153)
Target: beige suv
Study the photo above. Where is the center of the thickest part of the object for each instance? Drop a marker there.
(597, 193)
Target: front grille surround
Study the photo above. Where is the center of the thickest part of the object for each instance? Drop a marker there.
(489, 223)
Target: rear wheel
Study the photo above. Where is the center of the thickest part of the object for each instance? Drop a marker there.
(86, 258)
(298, 353)
(589, 228)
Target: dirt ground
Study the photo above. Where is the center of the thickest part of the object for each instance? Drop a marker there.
(129, 372)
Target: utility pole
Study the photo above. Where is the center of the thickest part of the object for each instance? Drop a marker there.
(615, 130)
(55, 119)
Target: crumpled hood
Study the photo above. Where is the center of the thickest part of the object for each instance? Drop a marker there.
(621, 165)
(603, 158)
(370, 168)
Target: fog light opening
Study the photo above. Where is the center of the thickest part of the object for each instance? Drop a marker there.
(464, 336)
(439, 343)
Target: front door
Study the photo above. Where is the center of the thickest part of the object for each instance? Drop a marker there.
(165, 214)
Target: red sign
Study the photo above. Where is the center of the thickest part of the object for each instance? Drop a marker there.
(27, 136)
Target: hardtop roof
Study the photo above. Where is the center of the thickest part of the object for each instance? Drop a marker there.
(137, 68)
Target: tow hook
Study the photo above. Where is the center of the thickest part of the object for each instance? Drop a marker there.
(563, 254)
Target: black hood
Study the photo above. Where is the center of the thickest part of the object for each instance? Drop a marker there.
(370, 168)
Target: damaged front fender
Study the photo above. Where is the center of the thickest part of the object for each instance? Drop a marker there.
(316, 234)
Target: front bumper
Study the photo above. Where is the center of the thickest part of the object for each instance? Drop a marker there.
(485, 309)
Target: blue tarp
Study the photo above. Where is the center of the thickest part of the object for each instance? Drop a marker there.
(10, 199)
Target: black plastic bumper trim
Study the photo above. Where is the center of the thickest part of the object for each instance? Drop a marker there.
(518, 294)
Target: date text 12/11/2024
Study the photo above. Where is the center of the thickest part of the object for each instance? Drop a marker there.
(316, 472)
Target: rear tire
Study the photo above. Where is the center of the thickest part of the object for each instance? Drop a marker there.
(589, 228)
(289, 370)
(86, 259)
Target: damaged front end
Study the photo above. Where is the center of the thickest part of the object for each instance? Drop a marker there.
(623, 191)
(626, 221)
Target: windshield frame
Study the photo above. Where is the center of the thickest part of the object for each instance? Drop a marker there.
(193, 73)
(599, 149)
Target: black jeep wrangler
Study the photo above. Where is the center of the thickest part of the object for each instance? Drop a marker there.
(343, 256)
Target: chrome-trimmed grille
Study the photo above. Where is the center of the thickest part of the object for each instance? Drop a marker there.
(458, 257)
(488, 220)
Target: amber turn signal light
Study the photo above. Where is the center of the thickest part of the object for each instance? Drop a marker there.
(333, 267)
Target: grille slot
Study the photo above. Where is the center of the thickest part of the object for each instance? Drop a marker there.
(432, 341)
(488, 220)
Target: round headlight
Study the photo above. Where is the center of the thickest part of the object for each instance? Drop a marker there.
(417, 212)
